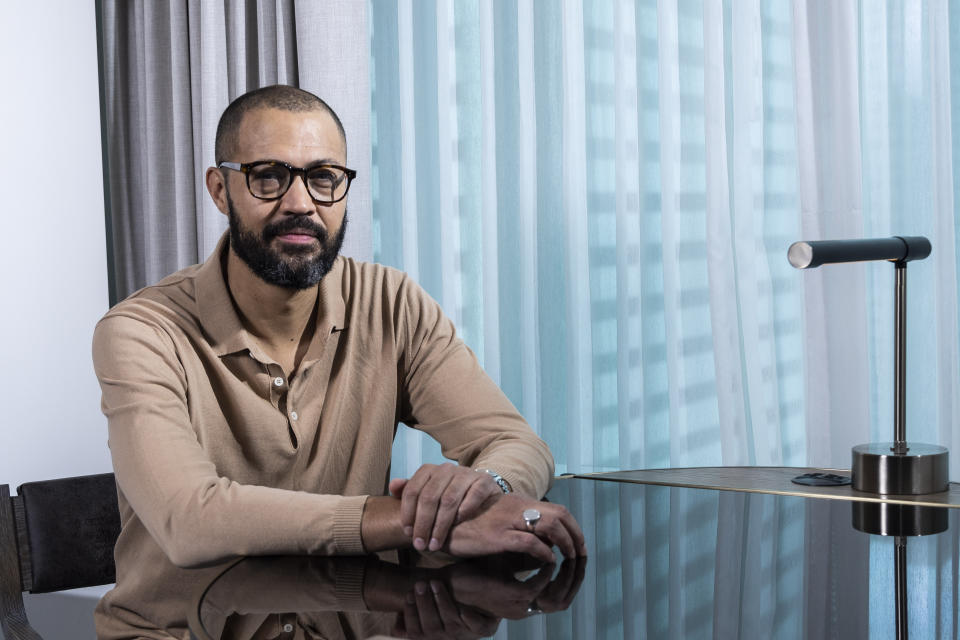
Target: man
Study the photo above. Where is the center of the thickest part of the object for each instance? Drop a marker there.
(252, 400)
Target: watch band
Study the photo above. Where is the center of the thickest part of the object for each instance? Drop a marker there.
(503, 484)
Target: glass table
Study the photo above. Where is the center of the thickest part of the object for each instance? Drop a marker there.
(729, 553)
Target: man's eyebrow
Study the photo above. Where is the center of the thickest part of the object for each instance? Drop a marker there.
(314, 163)
(323, 161)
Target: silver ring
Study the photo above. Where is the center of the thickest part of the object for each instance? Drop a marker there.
(531, 517)
(533, 609)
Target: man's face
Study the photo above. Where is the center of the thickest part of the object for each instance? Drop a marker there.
(290, 242)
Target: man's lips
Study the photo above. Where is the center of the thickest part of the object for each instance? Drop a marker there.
(297, 237)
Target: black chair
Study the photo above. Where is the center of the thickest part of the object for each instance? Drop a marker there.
(54, 535)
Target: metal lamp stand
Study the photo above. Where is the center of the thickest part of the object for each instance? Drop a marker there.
(898, 467)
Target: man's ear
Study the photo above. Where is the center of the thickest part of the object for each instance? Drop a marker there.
(217, 187)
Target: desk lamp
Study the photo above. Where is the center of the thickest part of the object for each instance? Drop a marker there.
(898, 467)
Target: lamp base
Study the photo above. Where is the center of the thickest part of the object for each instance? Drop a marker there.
(886, 519)
(923, 469)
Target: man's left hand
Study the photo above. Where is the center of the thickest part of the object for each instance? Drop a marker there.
(438, 496)
(503, 527)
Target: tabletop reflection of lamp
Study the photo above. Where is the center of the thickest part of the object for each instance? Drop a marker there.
(898, 467)
(899, 521)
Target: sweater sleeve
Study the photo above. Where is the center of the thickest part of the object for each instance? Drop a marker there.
(447, 394)
(196, 516)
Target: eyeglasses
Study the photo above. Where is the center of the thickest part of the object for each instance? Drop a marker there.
(270, 179)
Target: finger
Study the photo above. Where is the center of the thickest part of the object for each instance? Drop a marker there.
(555, 532)
(565, 593)
(563, 530)
(430, 620)
(396, 486)
(460, 484)
(565, 577)
(478, 494)
(411, 495)
(572, 526)
(524, 542)
(446, 607)
(551, 530)
(411, 619)
(428, 505)
(555, 593)
(578, 573)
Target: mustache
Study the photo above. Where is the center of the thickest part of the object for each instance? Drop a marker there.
(295, 225)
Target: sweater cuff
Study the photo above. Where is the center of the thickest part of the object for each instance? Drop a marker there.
(349, 585)
(346, 526)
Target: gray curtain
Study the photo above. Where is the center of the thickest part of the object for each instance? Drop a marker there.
(168, 69)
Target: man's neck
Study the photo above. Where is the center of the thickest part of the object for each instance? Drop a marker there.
(276, 317)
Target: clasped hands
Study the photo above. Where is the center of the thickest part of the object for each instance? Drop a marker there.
(464, 512)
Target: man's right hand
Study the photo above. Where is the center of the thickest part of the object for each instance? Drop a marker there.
(501, 528)
(498, 528)
(436, 497)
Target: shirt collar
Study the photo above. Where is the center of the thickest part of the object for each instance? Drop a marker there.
(218, 313)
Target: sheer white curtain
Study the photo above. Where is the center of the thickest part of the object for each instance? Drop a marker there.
(602, 194)
(879, 157)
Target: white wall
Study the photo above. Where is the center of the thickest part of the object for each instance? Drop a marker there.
(53, 268)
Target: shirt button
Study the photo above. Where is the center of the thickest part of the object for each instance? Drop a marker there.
(278, 381)
(287, 628)
(293, 415)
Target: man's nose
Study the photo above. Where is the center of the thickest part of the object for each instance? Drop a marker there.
(297, 199)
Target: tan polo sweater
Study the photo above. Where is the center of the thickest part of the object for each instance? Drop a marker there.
(217, 455)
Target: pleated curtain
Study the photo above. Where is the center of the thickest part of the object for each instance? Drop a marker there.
(168, 71)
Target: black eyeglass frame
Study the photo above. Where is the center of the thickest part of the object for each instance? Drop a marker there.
(245, 167)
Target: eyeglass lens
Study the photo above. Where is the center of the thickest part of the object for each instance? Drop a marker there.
(325, 184)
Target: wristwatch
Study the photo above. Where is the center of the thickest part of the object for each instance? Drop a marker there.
(503, 484)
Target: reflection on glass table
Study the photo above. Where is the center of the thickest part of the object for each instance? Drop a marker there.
(317, 597)
(670, 562)
(665, 562)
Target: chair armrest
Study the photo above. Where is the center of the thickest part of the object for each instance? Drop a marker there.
(13, 617)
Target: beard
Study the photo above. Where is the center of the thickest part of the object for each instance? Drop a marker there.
(294, 267)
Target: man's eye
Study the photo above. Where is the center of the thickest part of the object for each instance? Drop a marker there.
(269, 175)
(325, 177)
(269, 180)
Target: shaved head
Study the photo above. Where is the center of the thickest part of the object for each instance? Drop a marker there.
(278, 96)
